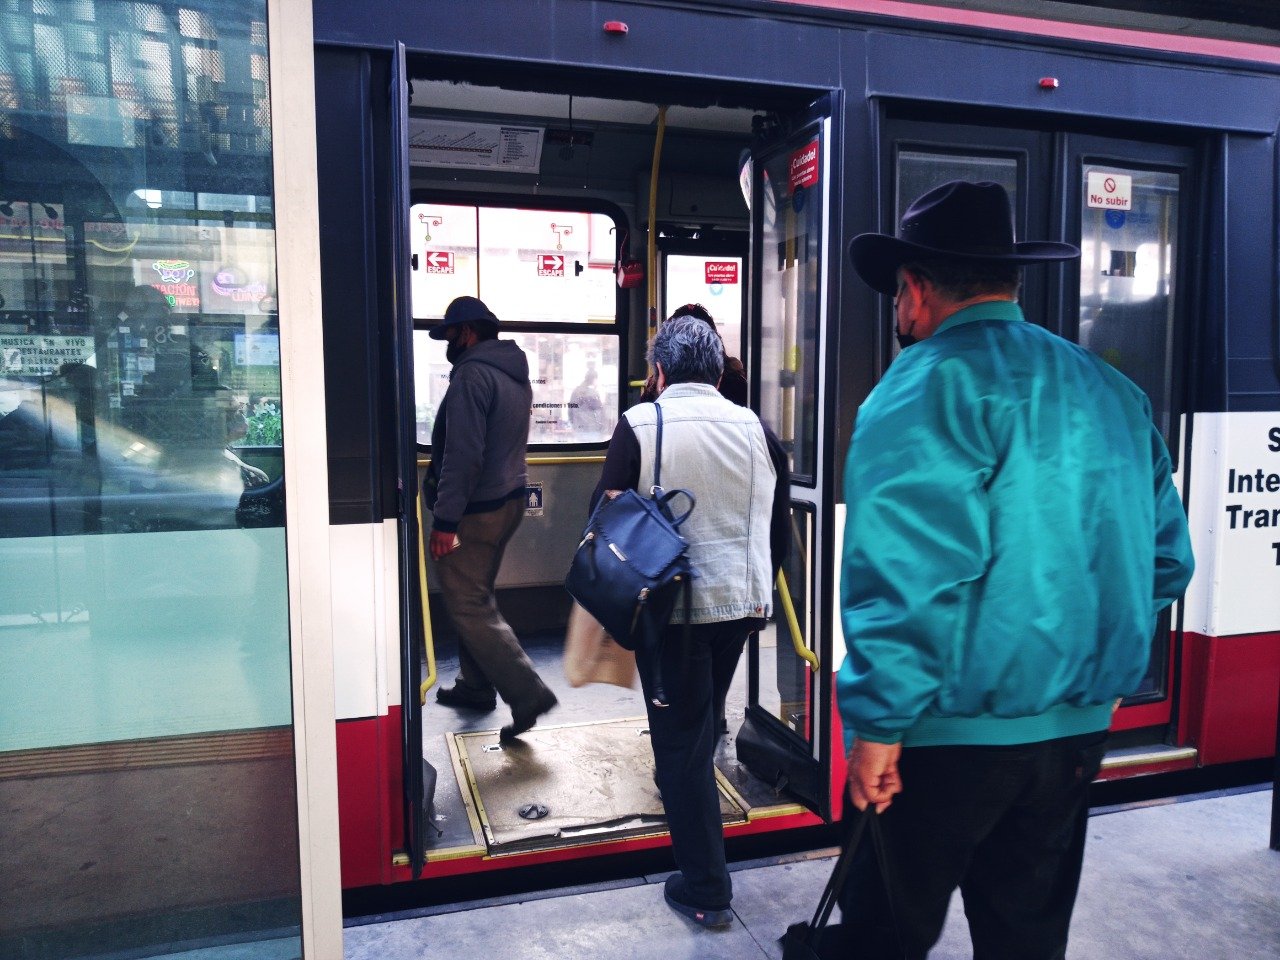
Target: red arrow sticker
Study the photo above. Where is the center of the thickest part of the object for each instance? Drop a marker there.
(550, 265)
(437, 261)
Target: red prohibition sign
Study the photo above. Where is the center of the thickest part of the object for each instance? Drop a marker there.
(1109, 185)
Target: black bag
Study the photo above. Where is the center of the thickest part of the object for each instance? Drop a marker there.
(632, 565)
(816, 940)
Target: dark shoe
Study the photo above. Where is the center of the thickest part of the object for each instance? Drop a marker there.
(466, 698)
(523, 718)
(678, 900)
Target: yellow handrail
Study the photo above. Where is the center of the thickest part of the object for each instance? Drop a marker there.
(428, 639)
(793, 624)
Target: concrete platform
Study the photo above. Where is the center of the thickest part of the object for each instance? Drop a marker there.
(1191, 878)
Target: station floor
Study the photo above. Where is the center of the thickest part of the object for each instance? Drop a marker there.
(1185, 878)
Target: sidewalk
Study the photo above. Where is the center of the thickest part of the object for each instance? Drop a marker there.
(1190, 879)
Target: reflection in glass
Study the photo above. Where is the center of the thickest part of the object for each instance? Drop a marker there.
(788, 693)
(920, 171)
(1127, 270)
(144, 645)
(790, 275)
(574, 377)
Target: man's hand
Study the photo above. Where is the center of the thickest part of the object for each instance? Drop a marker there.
(873, 774)
(442, 544)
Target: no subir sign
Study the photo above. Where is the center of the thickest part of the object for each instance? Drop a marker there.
(1111, 191)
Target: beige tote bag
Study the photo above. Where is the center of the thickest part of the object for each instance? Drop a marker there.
(591, 656)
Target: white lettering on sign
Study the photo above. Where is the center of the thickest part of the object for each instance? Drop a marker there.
(721, 271)
(550, 265)
(1109, 191)
(437, 261)
(39, 356)
(533, 499)
(1235, 522)
(804, 166)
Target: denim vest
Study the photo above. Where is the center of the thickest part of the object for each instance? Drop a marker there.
(716, 450)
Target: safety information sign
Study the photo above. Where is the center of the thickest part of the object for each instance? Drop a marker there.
(804, 166)
(533, 499)
(437, 261)
(1110, 191)
(550, 265)
(721, 271)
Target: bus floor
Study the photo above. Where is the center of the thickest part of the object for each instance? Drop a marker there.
(1184, 878)
(589, 704)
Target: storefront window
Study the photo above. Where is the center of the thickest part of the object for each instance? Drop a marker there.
(145, 697)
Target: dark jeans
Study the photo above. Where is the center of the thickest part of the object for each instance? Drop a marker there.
(683, 735)
(1004, 824)
(489, 653)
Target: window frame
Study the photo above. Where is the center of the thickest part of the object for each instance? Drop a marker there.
(622, 300)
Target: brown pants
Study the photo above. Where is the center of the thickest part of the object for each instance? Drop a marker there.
(490, 656)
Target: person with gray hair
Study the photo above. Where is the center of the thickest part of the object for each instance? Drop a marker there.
(738, 537)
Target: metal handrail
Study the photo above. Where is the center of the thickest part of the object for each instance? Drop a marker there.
(793, 623)
(428, 638)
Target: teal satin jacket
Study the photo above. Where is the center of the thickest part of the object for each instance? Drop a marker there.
(1012, 532)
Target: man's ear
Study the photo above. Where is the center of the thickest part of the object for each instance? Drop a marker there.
(662, 377)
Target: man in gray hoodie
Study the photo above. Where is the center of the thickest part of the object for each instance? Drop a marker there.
(475, 489)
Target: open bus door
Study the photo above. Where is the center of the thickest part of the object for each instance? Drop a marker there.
(419, 775)
(786, 738)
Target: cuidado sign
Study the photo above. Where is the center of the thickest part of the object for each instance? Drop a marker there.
(721, 271)
(803, 168)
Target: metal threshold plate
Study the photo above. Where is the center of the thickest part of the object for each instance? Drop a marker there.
(567, 785)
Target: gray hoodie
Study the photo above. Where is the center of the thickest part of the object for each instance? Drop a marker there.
(480, 434)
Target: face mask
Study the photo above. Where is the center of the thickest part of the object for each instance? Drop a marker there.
(453, 351)
(905, 340)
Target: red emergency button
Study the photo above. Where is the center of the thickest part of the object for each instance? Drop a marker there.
(1048, 83)
(615, 26)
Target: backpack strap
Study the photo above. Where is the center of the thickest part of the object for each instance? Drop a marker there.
(656, 490)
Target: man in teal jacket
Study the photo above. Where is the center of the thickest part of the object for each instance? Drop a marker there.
(1013, 531)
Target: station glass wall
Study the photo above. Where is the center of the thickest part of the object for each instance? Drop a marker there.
(146, 768)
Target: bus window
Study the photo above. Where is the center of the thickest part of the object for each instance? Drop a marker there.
(546, 274)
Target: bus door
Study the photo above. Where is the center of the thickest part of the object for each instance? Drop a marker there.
(786, 738)
(1126, 204)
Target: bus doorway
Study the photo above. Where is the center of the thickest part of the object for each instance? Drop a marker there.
(532, 200)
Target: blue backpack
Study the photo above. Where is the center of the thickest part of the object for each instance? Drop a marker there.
(631, 566)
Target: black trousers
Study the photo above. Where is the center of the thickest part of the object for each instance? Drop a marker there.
(1004, 824)
(696, 676)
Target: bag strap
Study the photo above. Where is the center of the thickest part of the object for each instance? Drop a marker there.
(841, 873)
(827, 902)
(656, 490)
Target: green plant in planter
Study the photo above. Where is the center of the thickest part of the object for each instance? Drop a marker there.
(264, 427)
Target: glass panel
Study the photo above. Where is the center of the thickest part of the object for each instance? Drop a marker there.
(714, 282)
(444, 242)
(574, 376)
(1127, 270)
(788, 694)
(527, 265)
(920, 171)
(536, 265)
(791, 270)
(144, 646)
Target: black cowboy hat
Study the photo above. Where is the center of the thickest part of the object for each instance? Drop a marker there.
(956, 221)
